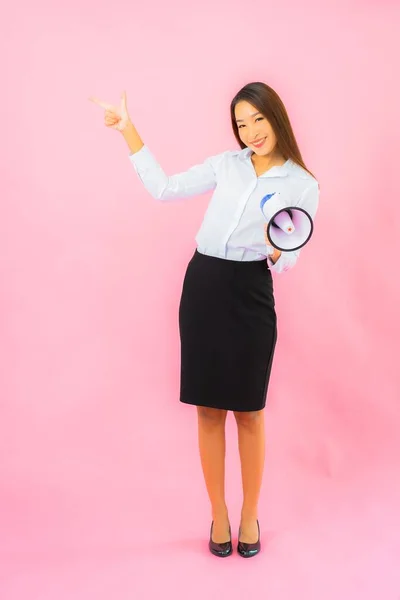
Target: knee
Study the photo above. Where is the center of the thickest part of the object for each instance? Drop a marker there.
(211, 416)
(250, 420)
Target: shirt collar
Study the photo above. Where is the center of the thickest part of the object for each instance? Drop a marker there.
(277, 171)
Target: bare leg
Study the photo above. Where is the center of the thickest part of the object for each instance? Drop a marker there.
(211, 429)
(251, 437)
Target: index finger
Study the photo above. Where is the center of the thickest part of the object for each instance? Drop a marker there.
(104, 105)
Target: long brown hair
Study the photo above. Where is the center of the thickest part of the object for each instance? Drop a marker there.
(269, 104)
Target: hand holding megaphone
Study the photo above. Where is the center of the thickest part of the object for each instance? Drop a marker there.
(289, 228)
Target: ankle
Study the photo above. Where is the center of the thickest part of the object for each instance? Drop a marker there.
(249, 514)
(220, 513)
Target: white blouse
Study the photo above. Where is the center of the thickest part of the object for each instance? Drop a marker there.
(233, 225)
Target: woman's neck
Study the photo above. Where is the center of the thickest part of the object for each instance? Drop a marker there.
(267, 161)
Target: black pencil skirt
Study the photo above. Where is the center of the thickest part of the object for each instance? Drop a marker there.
(228, 332)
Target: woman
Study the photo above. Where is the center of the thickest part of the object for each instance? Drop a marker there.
(227, 314)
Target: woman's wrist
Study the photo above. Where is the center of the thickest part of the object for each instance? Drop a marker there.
(275, 256)
(132, 138)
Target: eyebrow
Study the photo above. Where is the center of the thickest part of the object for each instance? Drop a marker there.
(253, 115)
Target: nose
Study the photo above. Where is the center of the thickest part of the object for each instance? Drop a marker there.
(253, 133)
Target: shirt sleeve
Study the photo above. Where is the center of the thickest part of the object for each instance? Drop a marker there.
(198, 179)
(308, 200)
(285, 262)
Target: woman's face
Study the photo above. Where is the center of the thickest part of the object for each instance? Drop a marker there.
(254, 129)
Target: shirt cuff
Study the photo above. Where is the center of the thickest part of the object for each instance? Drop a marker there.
(284, 263)
(142, 158)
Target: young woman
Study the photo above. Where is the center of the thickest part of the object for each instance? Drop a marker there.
(227, 316)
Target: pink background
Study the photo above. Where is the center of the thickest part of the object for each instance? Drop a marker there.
(101, 493)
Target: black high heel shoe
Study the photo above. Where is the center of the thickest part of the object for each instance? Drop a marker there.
(220, 550)
(249, 550)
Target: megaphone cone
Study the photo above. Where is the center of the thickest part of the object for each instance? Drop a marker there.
(284, 222)
(294, 240)
(289, 227)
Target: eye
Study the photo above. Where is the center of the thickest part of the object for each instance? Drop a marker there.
(258, 119)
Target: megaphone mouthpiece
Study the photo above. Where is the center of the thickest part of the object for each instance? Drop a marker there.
(284, 222)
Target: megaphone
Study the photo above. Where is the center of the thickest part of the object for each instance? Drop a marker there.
(289, 227)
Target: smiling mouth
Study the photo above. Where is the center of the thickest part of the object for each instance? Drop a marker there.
(258, 143)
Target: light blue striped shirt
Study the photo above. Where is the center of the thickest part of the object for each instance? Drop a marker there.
(233, 225)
